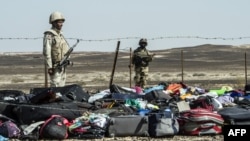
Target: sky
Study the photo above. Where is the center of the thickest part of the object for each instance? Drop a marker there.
(96, 21)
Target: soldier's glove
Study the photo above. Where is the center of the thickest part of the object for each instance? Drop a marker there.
(50, 71)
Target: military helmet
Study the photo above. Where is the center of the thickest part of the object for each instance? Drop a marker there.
(143, 40)
(56, 16)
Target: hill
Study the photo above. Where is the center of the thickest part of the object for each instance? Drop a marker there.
(204, 66)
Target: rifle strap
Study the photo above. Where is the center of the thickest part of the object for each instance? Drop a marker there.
(65, 40)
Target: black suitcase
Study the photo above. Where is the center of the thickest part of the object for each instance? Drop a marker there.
(235, 115)
(10, 94)
(27, 114)
(128, 125)
(6, 101)
(156, 95)
(6, 109)
(69, 92)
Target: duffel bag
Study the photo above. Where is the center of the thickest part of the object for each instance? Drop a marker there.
(27, 114)
(72, 92)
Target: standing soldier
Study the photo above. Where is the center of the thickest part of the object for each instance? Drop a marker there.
(54, 48)
(140, 60)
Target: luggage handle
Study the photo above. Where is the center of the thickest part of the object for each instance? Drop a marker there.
(207, 126)
(112, 121)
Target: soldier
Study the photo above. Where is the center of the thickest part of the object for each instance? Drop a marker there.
(140, 60)
(54, 48)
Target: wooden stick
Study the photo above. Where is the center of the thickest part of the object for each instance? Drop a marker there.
(130, 68)
(114, 64)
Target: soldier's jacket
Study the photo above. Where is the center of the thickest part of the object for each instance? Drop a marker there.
(141, 57)
(54, 47)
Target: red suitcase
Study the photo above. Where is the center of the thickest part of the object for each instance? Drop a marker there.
(200, 121)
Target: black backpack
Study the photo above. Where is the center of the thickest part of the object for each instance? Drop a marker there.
(54, 128)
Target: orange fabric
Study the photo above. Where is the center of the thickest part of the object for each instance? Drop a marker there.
(173, 88)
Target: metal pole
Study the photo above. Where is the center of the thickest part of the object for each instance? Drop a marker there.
(114, 65)
(130, 68)
(246, 68)
(182, 75)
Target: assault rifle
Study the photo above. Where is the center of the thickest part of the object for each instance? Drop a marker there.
(143, 60)
(64, 62)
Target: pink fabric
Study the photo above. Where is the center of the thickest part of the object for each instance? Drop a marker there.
(138, 89)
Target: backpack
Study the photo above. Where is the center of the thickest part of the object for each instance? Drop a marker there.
(54, 128)
(89, 126)
(205, 102)
(9, 129)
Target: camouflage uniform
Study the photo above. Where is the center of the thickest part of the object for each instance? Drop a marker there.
(54, 48)
(140, 59)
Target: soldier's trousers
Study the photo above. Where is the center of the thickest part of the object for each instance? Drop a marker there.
(58, 79)
(141, 76)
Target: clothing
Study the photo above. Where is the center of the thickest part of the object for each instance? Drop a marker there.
(54, 48)
(140, 59)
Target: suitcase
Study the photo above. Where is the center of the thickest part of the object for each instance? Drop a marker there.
(10, 93)
(27, 114)
(6, 101)
(201, 115)
(235, 115)
(156, 95)
(129, 125)
(194, 128)
(162, 123)
(6, 109)
(200, 121)
(72, 92)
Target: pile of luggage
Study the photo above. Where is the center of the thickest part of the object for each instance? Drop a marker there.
(163, 110)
